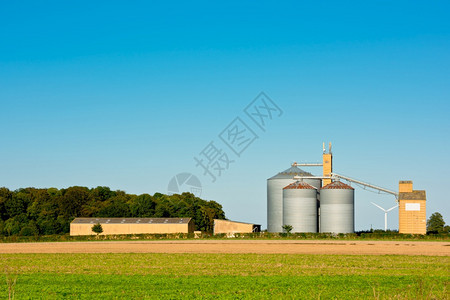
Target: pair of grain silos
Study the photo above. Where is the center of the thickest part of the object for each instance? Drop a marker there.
(309, 203)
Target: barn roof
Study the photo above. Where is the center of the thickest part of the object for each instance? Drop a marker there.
(131, 220)
(229, 221)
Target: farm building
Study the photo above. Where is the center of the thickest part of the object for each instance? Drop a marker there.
(83, 226)
(231, 227)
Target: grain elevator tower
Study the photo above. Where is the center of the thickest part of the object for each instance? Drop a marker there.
(327, 165)
(412, 217)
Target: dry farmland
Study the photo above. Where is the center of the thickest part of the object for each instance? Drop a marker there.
(238, 246)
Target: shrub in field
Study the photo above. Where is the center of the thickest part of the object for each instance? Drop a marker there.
(97, 228)
(287, 228)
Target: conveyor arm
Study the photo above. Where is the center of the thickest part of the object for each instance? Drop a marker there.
(335, 175)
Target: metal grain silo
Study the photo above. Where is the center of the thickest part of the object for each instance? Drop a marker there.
(275, 187)
(337, 208)
(300, 207)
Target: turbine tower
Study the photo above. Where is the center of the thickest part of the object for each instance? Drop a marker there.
(385, 213)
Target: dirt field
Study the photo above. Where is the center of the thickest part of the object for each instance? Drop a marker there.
(237, 246)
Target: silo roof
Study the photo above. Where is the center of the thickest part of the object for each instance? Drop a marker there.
(338, 185)
(291, 172)
(299, 185)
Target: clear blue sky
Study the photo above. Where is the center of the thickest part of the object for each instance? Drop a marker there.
(125, 95)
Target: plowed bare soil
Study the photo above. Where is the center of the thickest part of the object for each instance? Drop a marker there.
(238, 246)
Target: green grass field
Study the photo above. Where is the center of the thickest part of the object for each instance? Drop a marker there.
(233, 276)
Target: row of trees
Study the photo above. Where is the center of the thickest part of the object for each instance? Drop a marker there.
(31, 211)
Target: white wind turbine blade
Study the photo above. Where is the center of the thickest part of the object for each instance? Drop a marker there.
(391, 208)
(378, 206)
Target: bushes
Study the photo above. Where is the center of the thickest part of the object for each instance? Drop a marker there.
(256, 235)
(29, 231)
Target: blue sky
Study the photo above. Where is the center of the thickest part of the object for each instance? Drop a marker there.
(125, 95)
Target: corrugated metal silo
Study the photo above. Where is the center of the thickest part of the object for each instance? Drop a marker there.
(275, 187)
(317, 183)
(300, 207)
(337, 208)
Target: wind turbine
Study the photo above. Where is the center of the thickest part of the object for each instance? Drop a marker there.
(385, 213)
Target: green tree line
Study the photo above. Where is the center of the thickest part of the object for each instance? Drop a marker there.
(32, 211)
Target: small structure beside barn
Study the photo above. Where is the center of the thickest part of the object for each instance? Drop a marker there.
(83, 226)
(231, 227)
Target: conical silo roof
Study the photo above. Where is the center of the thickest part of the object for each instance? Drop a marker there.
(291, 172)
(299, 185)
(337, 185)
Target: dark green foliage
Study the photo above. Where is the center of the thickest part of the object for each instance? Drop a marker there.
(116, 207)
(143, 206)
(29, 230)
(18, 203)
(49, 226)
(12, 227)
(97, 228)
(32, 212)
(436, 223)
(287, 228)
(73, 200)
(5, 196)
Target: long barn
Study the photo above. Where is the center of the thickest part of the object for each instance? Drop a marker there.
(83, 226)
